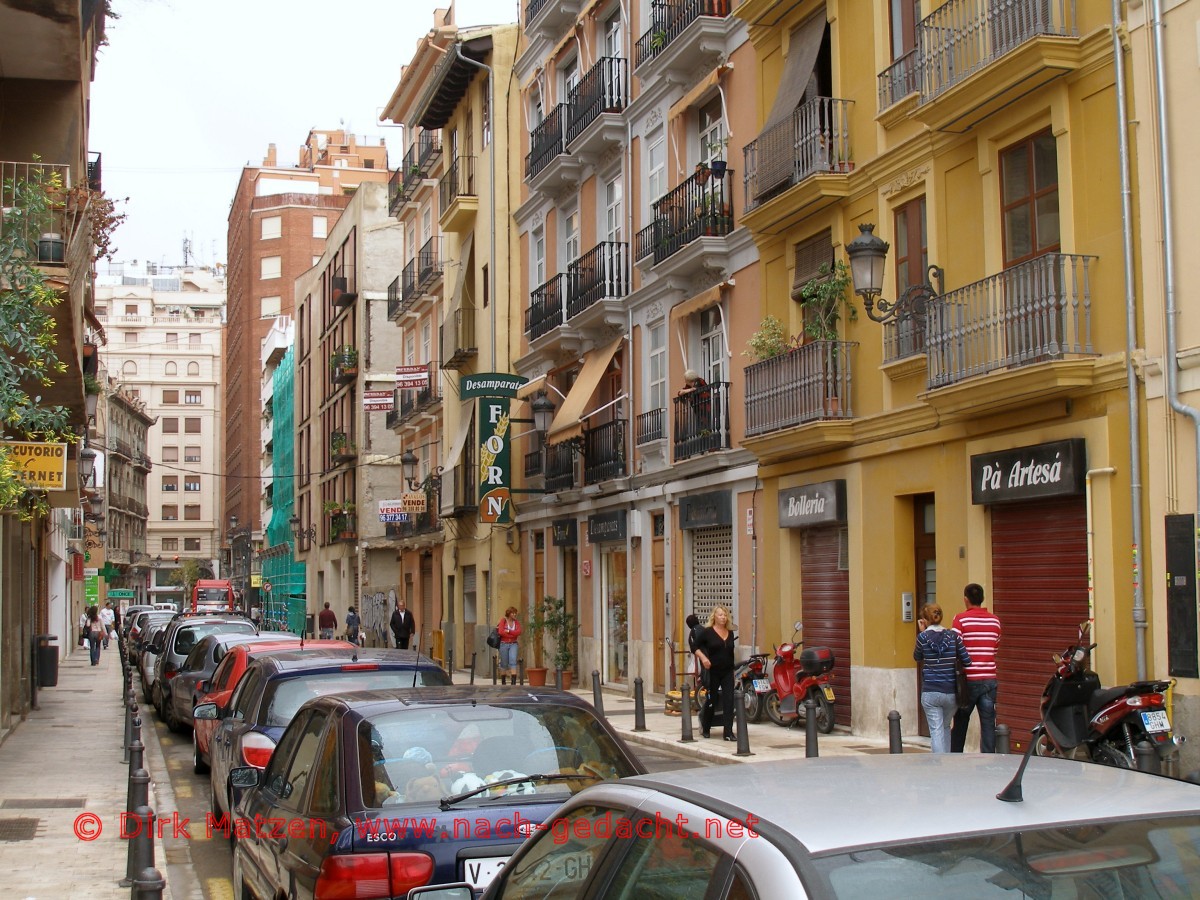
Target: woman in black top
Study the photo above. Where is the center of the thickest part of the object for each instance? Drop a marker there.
(715, 655)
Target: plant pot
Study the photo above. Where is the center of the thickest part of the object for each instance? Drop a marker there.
(51, 249)
(536, 675)
(719, 167)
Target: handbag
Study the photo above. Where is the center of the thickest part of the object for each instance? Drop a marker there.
(493, 639)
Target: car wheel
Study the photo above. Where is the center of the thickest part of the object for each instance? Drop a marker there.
(1108, 754)
(774, 713)
(212, 800)
(199, 766)
(240, 889)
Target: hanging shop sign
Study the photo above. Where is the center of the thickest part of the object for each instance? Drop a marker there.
(91, 587)
(39, 465)
(378, 401)
(490, 384)
(706, 510)
(412, 378)
(495, 461)
(566, 532)
(120, 594)
(1056, 469)
(391, 511)
(606, 526)
(823, 503)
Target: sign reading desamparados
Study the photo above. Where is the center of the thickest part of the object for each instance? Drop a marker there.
(489, 384)
(42, 466)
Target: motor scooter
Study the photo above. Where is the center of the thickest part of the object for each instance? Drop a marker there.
(751, 685)
(795, 678)
(1080, 719)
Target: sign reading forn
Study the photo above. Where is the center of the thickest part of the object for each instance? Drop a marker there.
(495, 462)
(41, 466)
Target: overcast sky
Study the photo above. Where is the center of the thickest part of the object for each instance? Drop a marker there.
(190, 91)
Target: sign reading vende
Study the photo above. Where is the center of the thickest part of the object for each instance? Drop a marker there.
(378, 401)
(42, 466)
(393, 511)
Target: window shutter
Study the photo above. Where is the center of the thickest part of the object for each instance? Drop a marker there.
(811, 254)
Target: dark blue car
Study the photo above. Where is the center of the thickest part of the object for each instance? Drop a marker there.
(371, 794)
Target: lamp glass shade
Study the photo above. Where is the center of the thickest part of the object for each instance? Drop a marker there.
(868, 255)
(87, 463)
(408, 461)
(294, 524)
(543, 414)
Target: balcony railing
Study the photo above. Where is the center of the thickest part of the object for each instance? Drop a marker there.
(418, 523)
(702, 421)
(700, 206)
(1037, 311)
(644, 243)
(58, 219)
(532, 8)
(546, 141)
(668, 20)
(604, 452)
(814, 139)
(546, 309)
(901, 78)
(605, 88)
(602, 272)
(459, 181)
(458, 338)
(560, 466)
(533, 464)
(429, 262)
(408, 282)
(812, 382)
(396, 193)
(651, 426)
(395, 299)
(962, 36)
(412, 401)
(429, 151)
(94, 171)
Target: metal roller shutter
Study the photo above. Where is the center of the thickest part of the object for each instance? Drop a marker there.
(825, 594)
(1040, 593)
(712, 570)
(426, 621)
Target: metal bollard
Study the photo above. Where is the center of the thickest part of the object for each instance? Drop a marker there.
(1003, 739)
(128, 739)
(138, 793)
(450, 662)
(685, 714)
(1147, 758)
(639, 705)
(521, 671)
(558, 678)
(743, 733)
(811, 751)
(597, 697)
(895, 744)
(141, 843)
(137, 750)
(494, 673)
(149, 885)
(473, 655)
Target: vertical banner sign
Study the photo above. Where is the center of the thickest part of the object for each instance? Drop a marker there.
(91, 587)
(77, 567)
(495, 461)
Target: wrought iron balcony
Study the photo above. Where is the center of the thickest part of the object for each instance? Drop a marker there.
(549, 18)
(418, 523)
(901, 78)
(699, 207)
(669, 19)
(807, 384)
(702, 421)
(457, 338)
(814, 140)
(429, 151)
(429, 263)
(651, 426)
(560, 466)
(1034, 312)
(644, 242)
(604, 452)
(457, 185)
(94, 171)
(408, 283)
(601, 273)
(395, 304)
(413, 401)
(546, 141)
(604, 89)
(533, 464)
(546, 310)
(396, 194)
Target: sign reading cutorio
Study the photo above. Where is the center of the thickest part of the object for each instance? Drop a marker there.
(37, 465)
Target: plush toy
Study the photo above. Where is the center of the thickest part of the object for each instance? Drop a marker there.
(467, 781)
(425, 787)
(525, 787)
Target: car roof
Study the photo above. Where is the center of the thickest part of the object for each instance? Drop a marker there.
(315, 658)
(840, 803)
(274, 645)
(373, 702)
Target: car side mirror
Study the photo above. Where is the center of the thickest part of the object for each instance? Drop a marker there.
(460, 891)
(157, 644)
(206, 711)
(244, 777)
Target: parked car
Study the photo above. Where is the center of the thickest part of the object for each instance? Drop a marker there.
(398, 788)
(148, 656)
(868, 827)
(177, 641)
(182, 692)
(275, 686)
(218, 688)
(137, 631)
(129, 612)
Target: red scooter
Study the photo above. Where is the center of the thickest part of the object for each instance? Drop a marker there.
(796, 678)
(1104, 725)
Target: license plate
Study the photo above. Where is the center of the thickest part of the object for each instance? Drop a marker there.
(480, 872)
(762, 686)
(828, 692)
(1156, 721)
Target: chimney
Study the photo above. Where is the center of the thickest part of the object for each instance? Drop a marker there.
(270, 160)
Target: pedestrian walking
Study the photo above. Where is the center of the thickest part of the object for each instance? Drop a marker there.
(510, 631)
(980, 630)
(107, 618)
(938, 650)
(327, 623)
(352, 625)
(95, 634)
(402, 624)
(714, 652)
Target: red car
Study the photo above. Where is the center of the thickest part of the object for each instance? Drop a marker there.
(219, 688)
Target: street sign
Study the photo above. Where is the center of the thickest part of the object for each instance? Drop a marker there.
(266, 586)
(120, 594)
(42, 466)
(412, 378)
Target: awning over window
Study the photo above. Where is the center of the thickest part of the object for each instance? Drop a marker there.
(464, 269)
(776, 141)
(466, 412)
(568, 422)
(531, 387)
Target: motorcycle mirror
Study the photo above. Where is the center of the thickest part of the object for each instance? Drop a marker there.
(798, 625)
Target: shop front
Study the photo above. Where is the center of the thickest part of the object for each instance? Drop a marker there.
(608, 530)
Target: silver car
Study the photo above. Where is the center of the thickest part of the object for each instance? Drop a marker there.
(869, 827)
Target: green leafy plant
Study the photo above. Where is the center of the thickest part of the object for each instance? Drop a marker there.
(92, 384)
(825, 302)
(658, 40)
(554, 619)
(331, 507)
(771, 340)
(185, 577)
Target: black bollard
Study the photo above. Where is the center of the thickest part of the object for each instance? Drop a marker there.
(895, 744)
(494, 675)
(521, 671)
(473, 655)
(558, 678)
(743, 733)
(450, 662)
(139, 790)
(1003, 739)
(639, 706)
(597, 697)
(149, 885)
(811, 750)
(128, 739)
(685, 714)
(137, 750)
(140, 824)
(1147, 758)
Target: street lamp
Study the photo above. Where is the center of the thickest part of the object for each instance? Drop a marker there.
(87, 464)
(868, 254)
(409, 463)
(297, 532)
(543, 414)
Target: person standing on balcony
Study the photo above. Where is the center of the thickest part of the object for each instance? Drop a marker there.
(698, 395)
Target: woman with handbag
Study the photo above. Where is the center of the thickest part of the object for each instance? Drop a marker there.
(940, 650)
(510, 631)
(95, 634)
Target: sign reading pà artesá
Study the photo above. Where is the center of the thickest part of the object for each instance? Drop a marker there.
(41, 466)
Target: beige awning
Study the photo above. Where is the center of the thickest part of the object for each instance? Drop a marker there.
(688, 100)
(466, 412)
(567, 422)
(531, 387)
(464, 269)
(777, 140)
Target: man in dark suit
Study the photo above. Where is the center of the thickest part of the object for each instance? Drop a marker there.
(403, 625)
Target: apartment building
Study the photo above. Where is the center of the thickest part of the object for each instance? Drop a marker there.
(280, 217)
(453, 302)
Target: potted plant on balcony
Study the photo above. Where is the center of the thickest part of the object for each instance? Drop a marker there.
(825, 301)
(702, 173)
(344, 363)
(771, 340)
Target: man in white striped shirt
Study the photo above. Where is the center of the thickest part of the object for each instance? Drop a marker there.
(980, 630)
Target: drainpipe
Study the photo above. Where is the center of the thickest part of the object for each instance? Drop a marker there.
(1132, 390)
(1091, 538)
(1171, 360)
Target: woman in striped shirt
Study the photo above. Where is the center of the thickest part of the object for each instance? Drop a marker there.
(938, 649)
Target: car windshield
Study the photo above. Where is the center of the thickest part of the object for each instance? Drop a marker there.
(187, 638)
(287, 695)
(1101, 860)
(419, 755)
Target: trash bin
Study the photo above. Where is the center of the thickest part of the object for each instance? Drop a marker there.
(47, 660)
(310, 624)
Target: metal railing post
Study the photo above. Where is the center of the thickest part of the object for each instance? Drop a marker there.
(639, 705)
(895, 744)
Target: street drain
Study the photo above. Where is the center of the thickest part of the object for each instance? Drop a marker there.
(19, 829)
(43, 803)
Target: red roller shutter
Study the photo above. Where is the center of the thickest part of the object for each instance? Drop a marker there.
(1039, 591)
(825, 594)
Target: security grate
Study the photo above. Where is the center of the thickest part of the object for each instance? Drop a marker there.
(712, 570)
(43, 803)
(19, 829)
